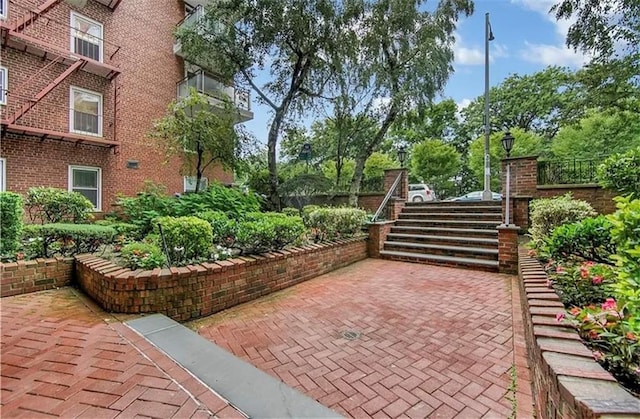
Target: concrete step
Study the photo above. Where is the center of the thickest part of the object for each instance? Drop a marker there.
(444, 231)
(431, 222)
(443, 239)
(452, 208)
(452, 215)
(443, 250)
(459, 262)
(456, 204)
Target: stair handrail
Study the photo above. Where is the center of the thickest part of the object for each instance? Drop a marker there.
(387, 197)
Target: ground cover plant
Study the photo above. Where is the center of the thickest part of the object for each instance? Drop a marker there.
(594, 266)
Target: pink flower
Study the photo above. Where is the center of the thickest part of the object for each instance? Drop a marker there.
(589, 263)
(560, 269)
(597, 280)
(597, 355)
(609, 304)
(559, 317)
(574, 311)
(584, 273)
(549, 284)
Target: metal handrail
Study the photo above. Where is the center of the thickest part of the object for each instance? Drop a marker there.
(387, 197)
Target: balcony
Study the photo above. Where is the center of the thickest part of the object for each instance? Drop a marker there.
(216, 92)
(195, 19)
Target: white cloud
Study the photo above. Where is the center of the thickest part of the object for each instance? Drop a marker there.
(379, 104)
(552, 55)
(463, 103)
(474, 55)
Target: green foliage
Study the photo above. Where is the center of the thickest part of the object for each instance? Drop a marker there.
(589, 239)
(548, 213)
(306, 212)
(621, 172)
(261, 232)
(327, 223)
(10, 222)
(223, 228)
(127, 230)
(217, 197)
(301, 187)
(292, 212)
(149, 204)
(436, 163)
(142, 256)
(583, 284)
(376, 164)
(188, 239)
(330, 171)
(53, 205)
(58, 239)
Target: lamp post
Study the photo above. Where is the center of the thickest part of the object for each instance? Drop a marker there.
(486, 193)
(507, 144)
(402, 155)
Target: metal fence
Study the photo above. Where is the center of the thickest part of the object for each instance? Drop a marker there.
(367, 185)
(566, 172)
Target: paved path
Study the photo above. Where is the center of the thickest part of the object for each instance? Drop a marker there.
(427, 341)
(62, 356)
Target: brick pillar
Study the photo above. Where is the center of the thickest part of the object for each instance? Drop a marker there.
(390, 176)
(508, 248)
(394, 208)
(524, 187)
(377, 235)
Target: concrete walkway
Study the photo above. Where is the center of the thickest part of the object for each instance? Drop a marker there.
(375, 339)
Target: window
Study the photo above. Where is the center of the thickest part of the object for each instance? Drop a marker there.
(190, 183)
(86, 112)
(88, 182)
(4, 85)
(3, 175)
(3, 9)
(86, 37)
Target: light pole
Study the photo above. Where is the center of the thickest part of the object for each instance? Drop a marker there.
(486, 193)
(507, 144)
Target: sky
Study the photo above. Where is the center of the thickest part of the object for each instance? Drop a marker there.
(527, 39)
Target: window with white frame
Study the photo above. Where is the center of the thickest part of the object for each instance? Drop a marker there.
(4, 84)
(86, 37)
(86, 112)
(190, 183)
(87, 181)
(3, 174)
(4, 6)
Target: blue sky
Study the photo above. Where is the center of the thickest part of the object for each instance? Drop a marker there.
(527, 39)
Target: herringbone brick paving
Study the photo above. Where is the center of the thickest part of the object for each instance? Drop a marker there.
(62, 356)
(432, 341)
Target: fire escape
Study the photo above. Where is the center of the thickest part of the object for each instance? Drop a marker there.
(14, 35)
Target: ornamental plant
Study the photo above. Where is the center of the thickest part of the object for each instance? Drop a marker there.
(142, 256)
(53, 205)
(223, 228)
(330, 223)
(48, 240)
(620, 172)
(584, 283)
(549, 213)
(589, 239)
(187, 239)
(10, 222)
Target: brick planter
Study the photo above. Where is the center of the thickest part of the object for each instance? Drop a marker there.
(567, 382)
(35, 275)
(200, 290)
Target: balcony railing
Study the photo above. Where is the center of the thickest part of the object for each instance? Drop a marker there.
(564, 172)
(215, 89)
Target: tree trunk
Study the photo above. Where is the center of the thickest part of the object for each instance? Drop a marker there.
(272, 140)
(354, 190)
(200, 152)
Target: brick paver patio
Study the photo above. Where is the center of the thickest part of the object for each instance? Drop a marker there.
(388, 339)
(62, 356)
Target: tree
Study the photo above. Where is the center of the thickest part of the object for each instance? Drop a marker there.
(376, 164)
(526, 143)
(438, 120)
(436, 163)
(201, 135)
(238, 38)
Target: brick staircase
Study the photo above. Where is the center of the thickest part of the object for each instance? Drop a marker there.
(460, 234)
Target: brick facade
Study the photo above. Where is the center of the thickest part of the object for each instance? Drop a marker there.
(23, 277)
(195, 291)
(138, 41)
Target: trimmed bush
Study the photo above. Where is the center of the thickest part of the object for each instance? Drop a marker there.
(142, 256)
(127, 230)
(188, 239)
(47, 240)
(291, 211)
(335, 223)
(255, 236)
(589, 239)
(549, 213)
(53, 205)
(10, 222)
(222, 227)
(620, 172)
(306, 212)
(286, 229)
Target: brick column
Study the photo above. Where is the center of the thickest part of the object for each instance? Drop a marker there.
(508, 248)
(524, 187)
(377, 235)
(390, 176)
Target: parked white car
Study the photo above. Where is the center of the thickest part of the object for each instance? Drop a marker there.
(419, 192)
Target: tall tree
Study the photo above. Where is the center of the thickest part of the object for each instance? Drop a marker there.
(201, 135)
(241, 37)
(437, 120)
(436, 163)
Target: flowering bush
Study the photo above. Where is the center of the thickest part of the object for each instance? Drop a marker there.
(142, 256)
(549, 213)
(589, 239)
(582, 284)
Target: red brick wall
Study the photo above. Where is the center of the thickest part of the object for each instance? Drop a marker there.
(600, 199)
(368, 202)
(195, 291)
(35, 275)
(377, 235)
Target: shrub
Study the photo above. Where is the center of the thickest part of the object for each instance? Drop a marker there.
(150, 204)
(549, 213)
(53, 205)
(334, 223)
(10, 222)
(589, 239)
(231, 201)
(222, 227)
(127, 230)
(142, 256)
(47, 240)
(583, 284)
(620, 172)
(291, 211)
(255, 236)
(188, 239)
(286, 229)
(306, 212)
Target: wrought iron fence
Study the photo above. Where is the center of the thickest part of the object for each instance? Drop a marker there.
(564, 172)
(367, 185)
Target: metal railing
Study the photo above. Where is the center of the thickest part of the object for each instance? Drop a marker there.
(565, 172)
(391, 192)
(197, 18)
(214, 88)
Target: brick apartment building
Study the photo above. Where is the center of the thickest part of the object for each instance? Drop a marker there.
(81, 82)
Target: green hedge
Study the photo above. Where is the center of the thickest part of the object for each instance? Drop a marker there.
(549, 213)
(261, 232)
(10, 222)
(47, 240)
(223, 228)
(128, 230)
(53, 205)
(589, 239)
(187, 239)
(330, 223)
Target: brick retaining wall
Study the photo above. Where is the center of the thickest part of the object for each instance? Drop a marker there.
(194, 291)
(567, 382)
(35, 275)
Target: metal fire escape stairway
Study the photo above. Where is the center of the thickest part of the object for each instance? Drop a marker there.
(460, 234)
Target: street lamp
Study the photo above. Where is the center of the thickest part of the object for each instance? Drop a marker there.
(507, 144)
(402, 155)
(486, 193)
